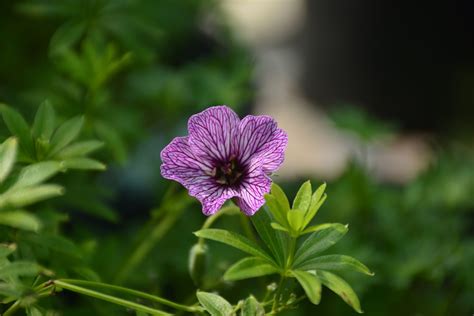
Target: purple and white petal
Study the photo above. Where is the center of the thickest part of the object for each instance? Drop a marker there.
(272, 154)
(252, 191)
(211, 195)
(211, 133)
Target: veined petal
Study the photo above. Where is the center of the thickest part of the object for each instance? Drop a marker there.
(211, 133)
(252, 191)
(211, 194)
(260, 137)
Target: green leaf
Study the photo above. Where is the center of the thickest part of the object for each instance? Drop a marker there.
(44, 123)
(278, 227)
(319, 241)
(234, 240)
(26, 196)
(80, 148)
(36, 173)
(7, 157)
(317, 200)
(33, 311)
(319, 227)
(83, 164)
(65, 134)
(20, 219)
(214, 304)
(335, 263)
(281, 198)
(6, 250)
(18, 127)
(341, 288)
(276, 241)
(275, 209)
(252, 307)
(249, 267)
(19, 268)
(303, 197)
(310, 284)
(66, 36)
(198, 262)
(53, 242)
(112, 139)
(295, 218)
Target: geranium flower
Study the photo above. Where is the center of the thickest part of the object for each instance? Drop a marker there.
(225, 157)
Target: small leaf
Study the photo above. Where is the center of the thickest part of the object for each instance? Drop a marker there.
(316, 201)
(18, 127)
(274, 208)
(214, 304)
(54, 242)
(295, 218)
(234, 240)
(252, 307)
(281, 198)
(19, 268)
(83, 164)
(310, 284)
(7, 249)
(20, 219)
(80, 148)
(7, 157)
(30, 195)
(319, 227)
(341, 288)
(65, 134)
(36, 173)
(249, 267)
(44, 123)
(278, 227)
(276, 241)
(65, 37)
(335, 263)
(319, 241)
(303, 197)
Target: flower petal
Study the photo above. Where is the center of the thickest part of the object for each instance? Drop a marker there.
(252, 191)
(211, 133)
(260, 138)
(211, 195)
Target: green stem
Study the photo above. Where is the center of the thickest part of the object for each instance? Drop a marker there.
(112, 299)
(276, 298)
(136, 293)
(12, 309)
(230, 210)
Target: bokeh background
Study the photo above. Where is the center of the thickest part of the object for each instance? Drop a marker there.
(377, 98)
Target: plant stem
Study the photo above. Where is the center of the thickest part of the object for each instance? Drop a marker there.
(278, 293)
(230, 210)
(12, 309)
(109, 298)
(136, 293)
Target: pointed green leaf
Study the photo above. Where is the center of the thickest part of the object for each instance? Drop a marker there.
(303, 197)
(30, 195)
(275, 209)
(65, 134)
(319, 227)
(44, 123)
(20, 219)
(7, 157)
(80, 148)
(295, 218)
(65, 37)
(335, 263)
(33, 311)
(318, 242)
(36, 173)
(252, 307)
(249, 267)
(341, 288)
(214, 304)
(310, 284)
(278, 227)
(276, 241)
(19, 268)
(83, 164)
(18, 127)
(234, 240)
(281, 198)
(313, 210)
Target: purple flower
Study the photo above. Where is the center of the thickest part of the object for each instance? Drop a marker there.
(225, 157)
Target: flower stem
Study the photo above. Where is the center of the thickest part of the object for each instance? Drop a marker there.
(229, 209)
(109, 298)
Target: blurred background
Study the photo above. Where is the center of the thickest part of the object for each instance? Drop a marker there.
(377, 99)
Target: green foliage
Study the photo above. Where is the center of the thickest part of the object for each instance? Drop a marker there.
(214, 304)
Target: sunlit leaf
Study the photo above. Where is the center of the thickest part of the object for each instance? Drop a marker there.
(315, 228)
(335, 263)
(44, 123)
(295, 219)
(83, 164)
(36, 173)
(303, 197)
(250, 267)
(275, 209)
(280, 197)
(318, 242)
(278, 227)
(19, 128)
(7, 157)
(29, 195)
(317, 200)
(310, 284)
(65, 134)
(235, 240)
(214, 304)
(20, 219)
(341, 288)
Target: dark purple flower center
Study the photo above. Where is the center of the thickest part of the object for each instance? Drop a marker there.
(228, 173)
